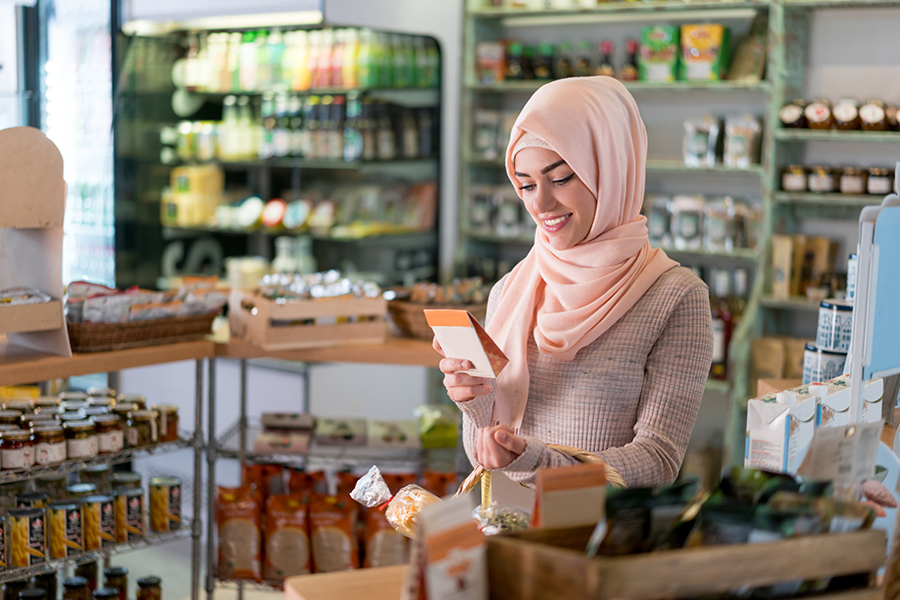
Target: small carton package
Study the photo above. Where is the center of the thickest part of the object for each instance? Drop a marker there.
(455, 552)
(780, 428)
(833, 401)
(462, 336)
(341, 432)
(570, 496)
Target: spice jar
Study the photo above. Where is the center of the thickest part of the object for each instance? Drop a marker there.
(16, 449)
(81, 490)
(167, 422)
(793, 179)
(137, 399)
(820, 180)
(126, 479)
(110, 437)
(10, 417)
(49, 445)
(853, 181)
(11, 589)
(76, 588)
(846, 115)
(818, 114)
(880, 181)
(142, 430)
(31, 420)
(81, 439)
(116, 578)
(46, 404)
(46, 581)
(88, 571)
(873, 116)
(149, 588)
(106, 594)
(22, 405)
(99, 475)
(74, 406)
(791, 115)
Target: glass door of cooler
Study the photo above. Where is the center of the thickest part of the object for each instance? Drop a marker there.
(312, 149)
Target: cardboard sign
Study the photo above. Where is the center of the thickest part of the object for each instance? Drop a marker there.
(455, 552)
(462, 336)
(845, 453)
(570, 496)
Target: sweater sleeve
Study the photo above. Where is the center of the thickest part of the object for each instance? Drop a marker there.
(674, 379)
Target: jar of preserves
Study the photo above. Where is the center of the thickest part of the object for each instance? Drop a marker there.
(853, 181)
(22, 405)
(10, 417)
(880, 181)
(821, 180)
(30, 420)
(46, 404)
(116, 578)
(93, 411)
(76, 588)
(81, 490)
(793, 179)
(149, 588)
(104, 401)
(74, 405)
(142, 429)
(846, 115)
(110, 437)
(873, 116)
(49, 445)
(11, 589)
(71, 416)
(167, 422)
(102, 391)
(99, 475)
(32, 500)
(123, 411)
(34, 593)
(126, 479)
(88, 570)
(16, 449)
(818, 114)
(106, 594)
(81, 439)
(791, 115)
(137, 399)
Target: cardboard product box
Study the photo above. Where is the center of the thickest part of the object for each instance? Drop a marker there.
(400, 435)
(770, 386)
(659, 53)
(798, 258)
(834, 409)
(293, 421)
(341, 432)
(778, 435)
(766, 360)
(703, 51)
(817, 261)
(283, 441)
(490, 62)
(782, 252)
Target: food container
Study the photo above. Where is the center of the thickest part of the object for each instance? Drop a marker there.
(165, 503)
(852, 264)
(32, 420)
(124, 409)
(835, 325)
(822, 365)
(81, 439)
(853, 181)
(167, 422)
(33, 593)
(98, 391)
(793, 178)
(46, 581)
(72, 395)
(116, 578)
(129, 514)
(27, 537)
(81, 490)
(873, 115)
(89, 571)
(10, 417)
(12, 588)
(74, 406)
(22, 405)
(846, 115)
(16, 449)
(64, 528)
(53, 483)
(149, 588)
(137, 399)
(880, 181)
(95, 411)
(70, 417)
(106, 594)
(76, 588)
(102, 401)
(126, 479)
(99, 475)
(49, 445)
(46, 404)
(821, 180)
(142, 429)
(32, 500)
(110, 437)
(818, 114)
(99, 516)
(792, 116)
(687, 222)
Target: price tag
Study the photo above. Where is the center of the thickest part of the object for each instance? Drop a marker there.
(844, 454)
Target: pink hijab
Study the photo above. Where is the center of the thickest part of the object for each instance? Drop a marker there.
(569, 298)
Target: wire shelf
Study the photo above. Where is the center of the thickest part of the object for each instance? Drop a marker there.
(151, 539)
(72, 466)
(245, 584)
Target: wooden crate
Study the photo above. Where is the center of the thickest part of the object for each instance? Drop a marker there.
(43, 316)
(550, 564)
(251, 317)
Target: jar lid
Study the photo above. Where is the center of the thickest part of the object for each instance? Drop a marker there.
(105, 418)
(75, 582)
(824, 101)
(134, 398)
(820, 169)
(100, 401)
(799, 168)
(165, 481)
(74, 405)
(853, 171)
(799, 101)
(94, 411)
(879, 171)
(17, 435)
(129, 492)
(32, 496)
(81, 488)
(8, 427)
(841, 305)
(165, 408)
(80, 426)
(149, 581)
(37, 417)
(32, 594)
(850, 101)
(96, 469)
(20, 405)
(144, 415)
(96, 498)
(8, 414)
(875, 101)
(72, 395)
(46, 401)
(21, 513)
(64, 504)
(48, 428)
(115, 571)
(101, 391)
(106, 593)
(71, 417)
(126, 477)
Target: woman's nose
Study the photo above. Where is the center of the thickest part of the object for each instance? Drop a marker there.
(543, 201)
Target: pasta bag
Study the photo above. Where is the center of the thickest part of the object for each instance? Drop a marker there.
(402, 509)
(332, 521)
(239, 519)
(384, 546)
(287, 539)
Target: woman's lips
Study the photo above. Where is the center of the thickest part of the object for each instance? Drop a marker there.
(556, 223)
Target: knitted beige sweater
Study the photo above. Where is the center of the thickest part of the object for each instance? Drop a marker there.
(631, 396)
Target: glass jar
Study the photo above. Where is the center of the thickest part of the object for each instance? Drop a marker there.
(880, 181)
(99, 475)
(53, 483)
(117, 578)
(88, 571)
(11, 589)
(49, 445)
(102, 391)
(94, 411)
(76, 588)
(74, 405)
(32, 500)
(106, 594)
(126, 479)
(70, 417)
(46, 404)
(72, 395)
(853, 181)
(167, 422)
(137, 399)
(142, 430)
(791, 115)
(22, 405)
(81, 490)
(34, 593)
(820, 180)
(873, 116)
(123, 410)
(846, 115)
(10, 417)
(149, 588)
(110, 437)
(31, 420)
(104, 401)
(793, 178)
(16, 449)
(81, 439)
(818, 114)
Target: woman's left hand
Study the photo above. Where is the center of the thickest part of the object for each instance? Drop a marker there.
(496, 447)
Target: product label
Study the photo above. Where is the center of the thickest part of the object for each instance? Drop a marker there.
(49, 454)
(85, 448)
(132, 437)
(65, 532)
(15, 459)
(871, 113)
(817, 113)
(879, 185)
(819, 367)
(111, 441)
(852, 184)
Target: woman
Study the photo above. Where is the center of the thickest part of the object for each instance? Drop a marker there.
(609, 340)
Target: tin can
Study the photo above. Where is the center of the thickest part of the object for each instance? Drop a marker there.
(165, 503)
(99, 515)
(822, 365)
(27, 537)
(852, 265)
(64, 529)
(129, 515)
(835, 325)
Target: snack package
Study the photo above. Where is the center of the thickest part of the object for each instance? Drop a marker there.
(287, 537)
(455, 553)
(701, 138)
(703, 51)
(742, 137)
(402, 508)
(268, 479)
(332, 525)
(496, 519)
(383, 546)
(440, 484)
(239, 516)
(307, 483)
(659, 52)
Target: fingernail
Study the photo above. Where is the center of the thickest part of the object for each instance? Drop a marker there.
(502, 437)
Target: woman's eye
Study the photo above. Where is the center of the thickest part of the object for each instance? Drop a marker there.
(527, 188)
(564, 180)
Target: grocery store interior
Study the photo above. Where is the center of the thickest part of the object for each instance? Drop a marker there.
(361, 145)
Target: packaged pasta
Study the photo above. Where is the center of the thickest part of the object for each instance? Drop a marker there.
(239, 516)
(332, 521)
(165, 503)
(287, 538)
(440, 484)
(27, 537)
(129, 515)
(402, 508)
(64, 528)
(307, 483)
(98, 522)
(3, 561)
(383, 546)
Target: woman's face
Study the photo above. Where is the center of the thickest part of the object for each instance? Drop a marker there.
(555, 198)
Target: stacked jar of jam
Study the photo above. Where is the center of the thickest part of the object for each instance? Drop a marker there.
(822, 179)
(846, 114)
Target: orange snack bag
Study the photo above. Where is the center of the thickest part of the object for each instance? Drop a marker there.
(307, 483)
(346, 481)
(238, 516)
(332, 524)
(268, 479)
(440, 484)
(287, 537)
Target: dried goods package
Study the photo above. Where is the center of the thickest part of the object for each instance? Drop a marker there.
(403, 508)
(332, 526)
(287, 538)
(703, 50)
(659, 53)
(455, 552)
(239, 519)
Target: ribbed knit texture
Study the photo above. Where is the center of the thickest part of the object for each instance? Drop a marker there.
(631, 396)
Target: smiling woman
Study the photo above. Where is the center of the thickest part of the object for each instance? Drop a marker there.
(609, 340)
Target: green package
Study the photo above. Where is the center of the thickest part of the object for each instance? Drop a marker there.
(703, 52)
(659, 53)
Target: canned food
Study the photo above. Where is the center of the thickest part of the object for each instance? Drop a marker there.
(129, 515)
(81, 490)
(76, 588)
(27, 537)
(99, 517)
(32, 500)
(165, 503)
(3, 562)
(835, 325)
(822, 365)
(64, 533)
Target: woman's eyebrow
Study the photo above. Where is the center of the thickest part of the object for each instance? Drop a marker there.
(544, 171)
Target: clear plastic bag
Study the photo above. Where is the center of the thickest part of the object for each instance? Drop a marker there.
(402, 509)
(497, 519)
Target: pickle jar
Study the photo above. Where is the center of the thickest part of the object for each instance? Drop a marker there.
(116, 578)
(89, 571)
(149, 588)
(142, 429)
(16, 449)
(853, 181)
(21, 405)
(10, 417)
(167, 422)
(873, 116)
(126, 479)
(46, 581)
(76, 588)
(880, 181)
(820, 180)
(793, 179)
(11, 589)
(48, 404)
(81, 439)
(49, 445)
(81, 490)
(818, 114)
(106, 594)
(110, 437)
(846, 115)
(791, 115)
(138, 400)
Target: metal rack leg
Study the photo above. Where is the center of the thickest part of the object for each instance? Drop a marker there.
(242, 423)
(198, 483)
(211, 485)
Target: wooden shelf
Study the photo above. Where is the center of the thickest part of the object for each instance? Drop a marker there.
(396, 351)
(671, 167)
(833, 135)
(840, 3)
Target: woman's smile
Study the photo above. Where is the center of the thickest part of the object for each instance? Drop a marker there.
(554, 224)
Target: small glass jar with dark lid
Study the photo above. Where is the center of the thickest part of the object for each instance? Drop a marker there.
(105, 593)
(46, 581)
(76, 588)
(149, 588)
(116, 578)
(90, 571)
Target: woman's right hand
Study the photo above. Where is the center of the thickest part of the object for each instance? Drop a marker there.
(461, 387)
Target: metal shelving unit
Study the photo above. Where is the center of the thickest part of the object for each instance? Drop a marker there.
(833, 135)
(633, 86)
(839, 200)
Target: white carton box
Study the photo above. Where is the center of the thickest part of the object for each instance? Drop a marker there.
(778, 434)
(834, 408)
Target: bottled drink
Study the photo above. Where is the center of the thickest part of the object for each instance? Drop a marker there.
(337, 60)
(528, 62)
(217, 51)
(605, 66)
(386, 54)
(629, 70)
(404, 61)
(275, 56)
(295, 106)
(721, 324)
(543, 68)
(562, 66)
(301, 80)
(409, 134)
(583, 66)
(247, 143)
(312, 58)
(386, 138)
(320, 135)
(426, 135)
(367, 129)
(514, 70)
(228, 130)
(263, 66)
(738, 300)
(281, 141)
(366, 66)
(350, 73)
(336, 128)
(248, 64)
(232, 81)
(267, 131)
(353, 141)
(323, 66)
(311, 124)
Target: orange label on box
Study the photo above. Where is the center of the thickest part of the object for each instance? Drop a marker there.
(462, 336)
(572, 478)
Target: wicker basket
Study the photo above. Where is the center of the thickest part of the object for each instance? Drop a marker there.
(410, 319)
(98, 337)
